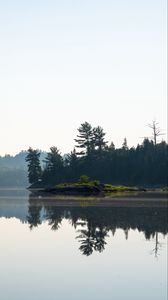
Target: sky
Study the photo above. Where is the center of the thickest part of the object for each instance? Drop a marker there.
(66, 62)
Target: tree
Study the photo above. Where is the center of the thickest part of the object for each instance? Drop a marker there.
(111, 147)
(34, 168)
(98, 138)
(71, 159)
(72, 165)
(85, 138)
(125, 145)
(156, 131)
(54, 166)
(34, 213)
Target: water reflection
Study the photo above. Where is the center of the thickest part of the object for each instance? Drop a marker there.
(34, 215)
(92, 239)
(94, 224)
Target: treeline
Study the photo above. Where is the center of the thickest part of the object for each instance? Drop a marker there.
(145, 164)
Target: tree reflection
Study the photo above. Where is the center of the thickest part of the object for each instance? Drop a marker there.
(87, 242)
(93, 224)
(34, 216)
(92, 239)
(157, 245)
(54, 215)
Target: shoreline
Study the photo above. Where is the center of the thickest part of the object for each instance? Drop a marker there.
(141, 199)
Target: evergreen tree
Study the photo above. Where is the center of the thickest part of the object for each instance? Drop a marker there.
(111, 147)
(72, 159)
(125, 145)
(34, 168)
(54, 166)
(85, 139)
(72, 164)
(98, 138)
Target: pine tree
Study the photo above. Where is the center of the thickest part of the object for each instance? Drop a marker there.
(125, 145)
(72, 164)
(98, 137)
(54, 166)
(85, 139)
(34, 168)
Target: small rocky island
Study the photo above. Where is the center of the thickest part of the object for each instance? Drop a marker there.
(84, 187)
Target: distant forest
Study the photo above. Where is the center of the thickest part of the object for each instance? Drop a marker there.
(13, 170)
(143, 165)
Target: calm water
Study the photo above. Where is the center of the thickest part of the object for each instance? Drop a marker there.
(86, 253)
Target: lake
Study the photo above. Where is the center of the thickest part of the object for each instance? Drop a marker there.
(83, 251)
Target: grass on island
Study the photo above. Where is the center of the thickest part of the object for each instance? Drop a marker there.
(85, 182)
(85, 185)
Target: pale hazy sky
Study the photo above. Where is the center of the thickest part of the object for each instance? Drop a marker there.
(65, 62)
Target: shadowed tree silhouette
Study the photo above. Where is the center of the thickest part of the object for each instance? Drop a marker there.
(53, 172)
(85, 140)
(98, 138)
(34, 168)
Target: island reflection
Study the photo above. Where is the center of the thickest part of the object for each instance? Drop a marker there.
(94, 224)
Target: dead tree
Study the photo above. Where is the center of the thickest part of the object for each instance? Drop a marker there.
(156, 131)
